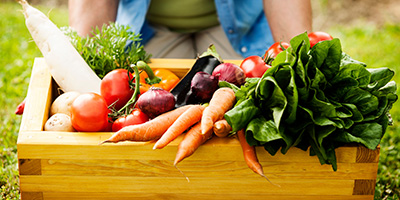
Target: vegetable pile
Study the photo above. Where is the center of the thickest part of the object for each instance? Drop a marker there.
(307, 94)
(317, 98)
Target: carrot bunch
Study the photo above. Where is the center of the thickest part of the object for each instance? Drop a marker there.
(198, 122)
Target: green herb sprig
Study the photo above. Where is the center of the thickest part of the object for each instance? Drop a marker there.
(107, 48)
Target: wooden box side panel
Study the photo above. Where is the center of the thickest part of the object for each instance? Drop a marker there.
(38, 98)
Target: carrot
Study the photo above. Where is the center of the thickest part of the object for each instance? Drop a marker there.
(65, 64)
(250, 155)
(150, 130)
(184, 121)
(222, 100)
(222, 128)
(189, 144)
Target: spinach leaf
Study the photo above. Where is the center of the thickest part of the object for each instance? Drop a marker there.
(316, 99)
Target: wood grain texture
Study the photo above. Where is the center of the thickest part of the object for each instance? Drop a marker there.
(32, 195)
(78, 145)
(193, 168)
(170, 185)
(38, 98)
(179, 66)
(198, 196)
(30, 166)
(364, 187)
(365, 155)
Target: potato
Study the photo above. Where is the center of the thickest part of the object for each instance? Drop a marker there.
(59, 122)
(62, 104)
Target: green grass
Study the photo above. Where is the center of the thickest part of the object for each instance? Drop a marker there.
(377, 47)
(17, 51)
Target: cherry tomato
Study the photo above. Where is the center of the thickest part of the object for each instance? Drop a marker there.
(254, 66)
(275, 49)
(318, 36)
(136, 117)
(115, 88)
(89, 113)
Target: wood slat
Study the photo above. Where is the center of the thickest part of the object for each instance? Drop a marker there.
(38, 98)
(149, 168)
(179, 66)
(198, 196)
(171, 185)
(64, 145)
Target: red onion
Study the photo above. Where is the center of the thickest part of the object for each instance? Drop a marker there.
(203, 86)
(156, 101)
(230, 72)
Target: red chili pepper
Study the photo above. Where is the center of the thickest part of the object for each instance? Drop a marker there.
(20, 108)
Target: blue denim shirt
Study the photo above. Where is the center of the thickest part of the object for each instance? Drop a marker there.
(244, 23)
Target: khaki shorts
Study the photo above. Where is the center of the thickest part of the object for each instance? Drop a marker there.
(167, 44)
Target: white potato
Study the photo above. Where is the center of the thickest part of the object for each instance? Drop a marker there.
(59, 122)
(62, 104)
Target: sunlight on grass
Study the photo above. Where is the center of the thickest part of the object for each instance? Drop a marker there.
(17, 52)
(379, 47)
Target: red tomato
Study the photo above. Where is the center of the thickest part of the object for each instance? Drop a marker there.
(254, 66)
(89, 113)
(136, 117)
(318, 36)
(275, 49)
(115, 88)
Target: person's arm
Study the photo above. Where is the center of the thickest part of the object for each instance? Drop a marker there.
(288, 18)
(86, 14)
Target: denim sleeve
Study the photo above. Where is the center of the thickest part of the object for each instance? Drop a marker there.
(133, 14)
(245, 25)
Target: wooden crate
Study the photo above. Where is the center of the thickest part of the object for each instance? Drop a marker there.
(72, 165)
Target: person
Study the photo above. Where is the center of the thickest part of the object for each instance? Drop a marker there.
(183, 29)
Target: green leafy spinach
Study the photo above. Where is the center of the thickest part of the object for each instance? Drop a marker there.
(314, 98)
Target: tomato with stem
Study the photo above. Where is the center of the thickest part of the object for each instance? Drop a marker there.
(275, 49)
(136, 117)
(115, 87)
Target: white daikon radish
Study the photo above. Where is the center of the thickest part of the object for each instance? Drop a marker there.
(66, 65)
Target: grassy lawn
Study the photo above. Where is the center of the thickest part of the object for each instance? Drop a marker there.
(379, 48)
(17, 51)
(376, 46)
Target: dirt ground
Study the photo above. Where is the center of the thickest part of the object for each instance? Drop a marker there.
(327, 13)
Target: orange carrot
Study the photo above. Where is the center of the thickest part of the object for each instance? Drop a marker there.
(250, 155)
(192, 140)
(184, 121)
(222, 128)
(222, 100)
(150, 130)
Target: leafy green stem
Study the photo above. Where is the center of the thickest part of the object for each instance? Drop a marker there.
(133, 99)
(152, 78)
